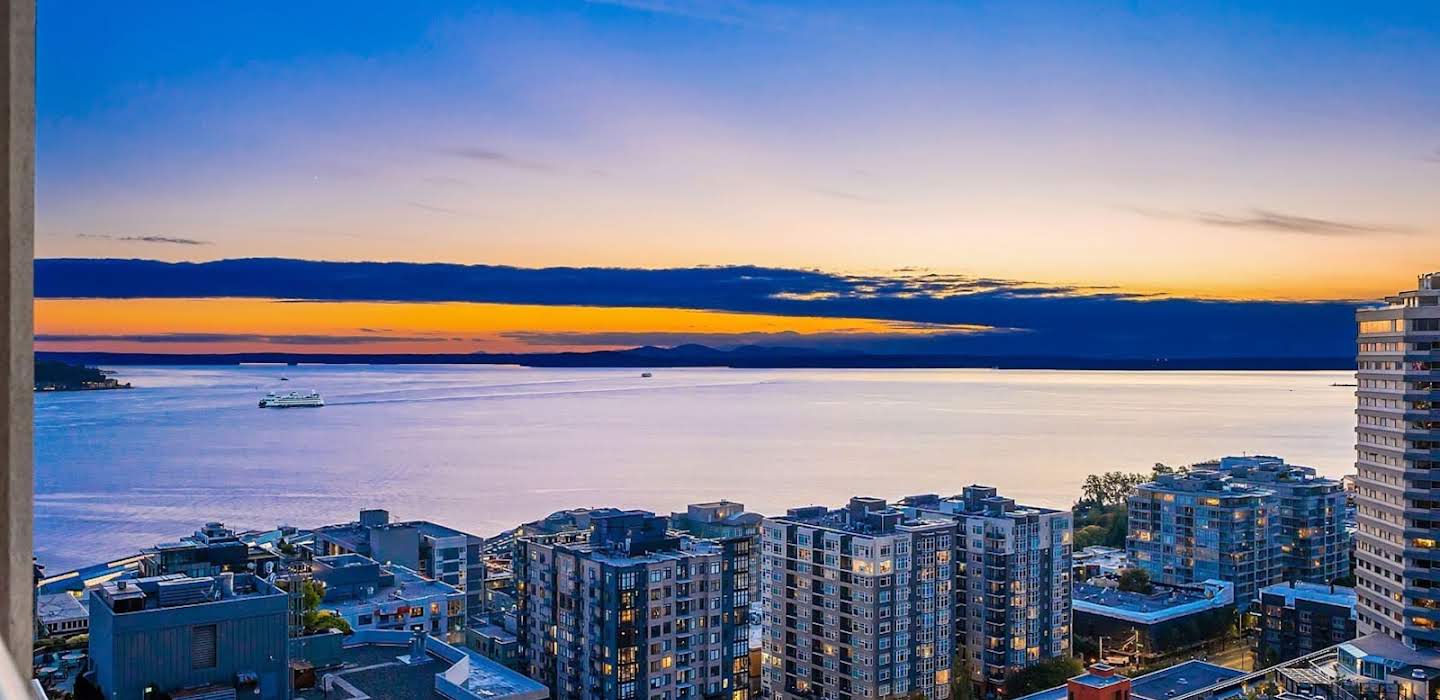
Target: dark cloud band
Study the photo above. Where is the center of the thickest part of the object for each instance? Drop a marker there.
(1044, 319)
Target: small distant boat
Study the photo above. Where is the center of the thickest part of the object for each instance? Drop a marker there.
(284, 379)
(646, 375)
(292, 399)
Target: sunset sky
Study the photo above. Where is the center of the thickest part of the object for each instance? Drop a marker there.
(1279, 151)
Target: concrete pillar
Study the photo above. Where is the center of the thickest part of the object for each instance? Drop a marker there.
(17, 209)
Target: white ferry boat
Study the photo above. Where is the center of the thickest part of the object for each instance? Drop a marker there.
(292, 399)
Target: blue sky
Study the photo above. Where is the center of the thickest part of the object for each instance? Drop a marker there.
(1222, 150)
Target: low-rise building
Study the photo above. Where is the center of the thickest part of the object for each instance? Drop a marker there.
(371, 596)
(495, 643)
(397, 665)
(1097, 560)
(61, 614)
(1301, 617)
(184, 636)
(432, 550)
(1380, 666)
(1145, 626)
(1101, 682)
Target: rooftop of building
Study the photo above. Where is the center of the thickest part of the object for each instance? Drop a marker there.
(126, 595)
(686, 548)
(408, 586)
(1105, 558)
(1207, 482)
(1165, 602)
(78, 580)
(863, 515)
(1177, 680)
(1391, 652)
(974, 500)
(719, 512)
(1320, 593)
(493, 631)
(626, 537)
(1180, 679)
(1099, 676)
(1267, 469)
(357, 532)
(1425, 285)
(378, 665)
(59, 607)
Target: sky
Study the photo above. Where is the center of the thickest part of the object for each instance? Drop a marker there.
(1117, 151)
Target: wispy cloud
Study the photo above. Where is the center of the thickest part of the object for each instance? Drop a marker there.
(447, 181)
(1266, 220)
(481, 154)
(145, 239)
(433, 208)
(849, 196)
(1433, 156)
(735, 13)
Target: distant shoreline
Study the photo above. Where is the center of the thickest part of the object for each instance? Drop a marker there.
(700, 356)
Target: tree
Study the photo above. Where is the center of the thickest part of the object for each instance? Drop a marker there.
(1041, 675)
(961, 687)
(314, 619)
(1136, 581)
(1091, 535)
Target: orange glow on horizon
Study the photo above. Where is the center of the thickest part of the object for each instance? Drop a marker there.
(141, 325)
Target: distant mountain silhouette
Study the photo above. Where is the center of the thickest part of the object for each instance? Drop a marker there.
(692, 355)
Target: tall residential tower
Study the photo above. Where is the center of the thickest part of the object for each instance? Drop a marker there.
(1397, 446)
(628, 610)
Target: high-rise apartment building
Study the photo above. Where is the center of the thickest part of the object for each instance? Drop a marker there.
(626, 609)
(1314, 542)
(1013, 581)
(872, 600)
(1204, 525)
(1397, 485)
(858, 602)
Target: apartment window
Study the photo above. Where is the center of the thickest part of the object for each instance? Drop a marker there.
(202, 647)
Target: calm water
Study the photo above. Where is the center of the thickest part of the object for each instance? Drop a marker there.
(483, 448)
